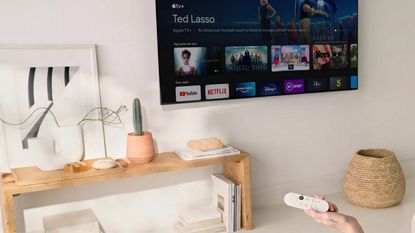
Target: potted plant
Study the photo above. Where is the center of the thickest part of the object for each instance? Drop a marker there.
(140, 147)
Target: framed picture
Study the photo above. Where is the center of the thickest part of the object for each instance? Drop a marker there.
(43, 87)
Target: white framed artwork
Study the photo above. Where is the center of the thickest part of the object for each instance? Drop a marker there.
(44, 87)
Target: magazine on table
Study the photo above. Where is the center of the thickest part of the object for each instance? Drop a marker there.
(188, 154)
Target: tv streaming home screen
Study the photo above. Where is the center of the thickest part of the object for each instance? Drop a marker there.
(216, 49)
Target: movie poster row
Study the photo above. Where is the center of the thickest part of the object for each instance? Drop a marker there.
(202, 61)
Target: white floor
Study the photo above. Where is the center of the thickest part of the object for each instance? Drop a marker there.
(283, 219)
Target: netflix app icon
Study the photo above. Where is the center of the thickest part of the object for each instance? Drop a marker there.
(217, 91)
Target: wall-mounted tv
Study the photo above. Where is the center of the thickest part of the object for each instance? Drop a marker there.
(230, 49)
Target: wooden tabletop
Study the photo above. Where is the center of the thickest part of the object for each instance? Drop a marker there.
(31, 179)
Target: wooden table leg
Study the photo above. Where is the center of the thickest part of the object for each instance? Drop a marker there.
(240, 172)
(7, 212)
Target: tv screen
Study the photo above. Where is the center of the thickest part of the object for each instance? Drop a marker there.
(231, 49)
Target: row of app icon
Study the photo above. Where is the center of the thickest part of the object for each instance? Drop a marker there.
(267, 88)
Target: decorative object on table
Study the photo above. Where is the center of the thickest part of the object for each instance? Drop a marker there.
(7, 178)
(140, 145)
(374, 179)
(74, 222)
(207, 144)
(61, 78)
(188, 155)
(76, 167)
(107, 117)
(104, 164)
(200, 219)
(66, 145)
(123, 162)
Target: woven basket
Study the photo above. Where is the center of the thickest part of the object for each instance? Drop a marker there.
(374, 179)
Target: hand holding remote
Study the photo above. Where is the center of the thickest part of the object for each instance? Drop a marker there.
(333, 219)
(304, 202)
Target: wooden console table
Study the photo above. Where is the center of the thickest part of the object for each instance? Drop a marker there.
(236, 167)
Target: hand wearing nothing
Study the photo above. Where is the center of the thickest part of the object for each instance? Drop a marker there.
(333, 219)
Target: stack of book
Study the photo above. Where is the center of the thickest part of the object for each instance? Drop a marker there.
(187, 154)
(204, 219)
(226, 196)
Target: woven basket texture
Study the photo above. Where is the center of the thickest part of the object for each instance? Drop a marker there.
(374, 179)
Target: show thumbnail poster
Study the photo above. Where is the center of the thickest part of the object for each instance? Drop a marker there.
(197, 61)
(210, 43)
(290, 57)
(246, 58)
(326, 56)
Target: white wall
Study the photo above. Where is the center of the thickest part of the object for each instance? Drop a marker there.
(298, 143)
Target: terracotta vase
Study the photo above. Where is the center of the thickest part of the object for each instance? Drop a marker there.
(140, 149)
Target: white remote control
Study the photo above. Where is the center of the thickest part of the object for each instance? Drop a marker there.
(303, 202)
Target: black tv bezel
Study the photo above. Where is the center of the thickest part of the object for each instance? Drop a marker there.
(202, 83)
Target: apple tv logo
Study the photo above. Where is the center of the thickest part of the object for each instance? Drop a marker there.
(177, 6)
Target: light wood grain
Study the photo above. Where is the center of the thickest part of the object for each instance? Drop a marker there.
(32, 180)
(164, 162)
(240, 172)
(27, 176)
(7, 212)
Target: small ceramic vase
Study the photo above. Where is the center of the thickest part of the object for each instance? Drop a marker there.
(140, 149)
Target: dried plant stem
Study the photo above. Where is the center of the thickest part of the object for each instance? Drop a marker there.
(28, 118)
